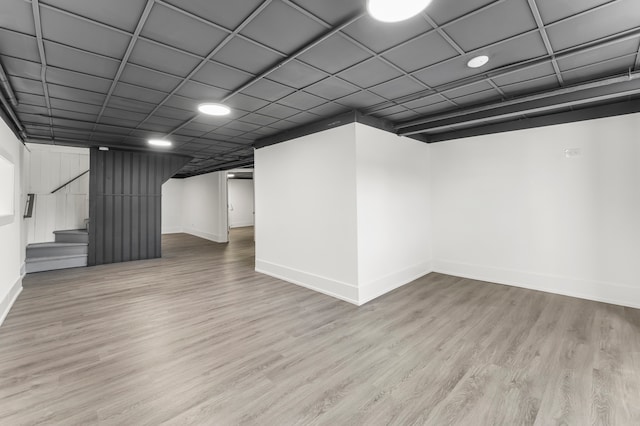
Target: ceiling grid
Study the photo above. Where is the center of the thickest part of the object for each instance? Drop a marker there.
(85, 73)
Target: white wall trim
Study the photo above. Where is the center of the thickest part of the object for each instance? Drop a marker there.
(10, 298)
(206, 235)
(599, 291)
(241, 225)
(390, 282)
(328, 286)
(173, 230)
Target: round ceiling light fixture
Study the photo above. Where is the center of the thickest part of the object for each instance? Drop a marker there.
(395, 10)
(159, 142)
(214, 109)
(478, 61)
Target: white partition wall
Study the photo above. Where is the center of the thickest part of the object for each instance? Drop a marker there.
(241, 209)
(344, 211)
(12, 229)
(306, 212)
(196, 206)
(394, 223)
(554, 208)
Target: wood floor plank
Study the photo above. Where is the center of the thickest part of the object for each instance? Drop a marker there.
(198, 337)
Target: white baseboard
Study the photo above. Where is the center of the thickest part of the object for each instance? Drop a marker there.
(205, 235)
(241, 225)
(614, 293)
(380, 286)
(175, 230)
(10, 298)
(328, 286)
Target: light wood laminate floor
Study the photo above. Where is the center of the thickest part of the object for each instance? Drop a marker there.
(198, 337)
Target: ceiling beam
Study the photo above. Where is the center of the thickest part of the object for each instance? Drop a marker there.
(578, 95)
(526, 122)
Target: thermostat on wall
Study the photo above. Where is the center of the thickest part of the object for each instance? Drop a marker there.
(571, 152)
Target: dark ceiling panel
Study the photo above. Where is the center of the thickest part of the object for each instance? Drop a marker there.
(162, 58)
(446, 11)
(268, 90)
(277, 22)
(379, 36)
(179, 30)
(123, 14)
(554, 10)
(75, 32)
(227, 13)
(221, 76)
(334, 54)
(296, 74)
(16, 15)
(480, 29)
(397, 88)
(302, 101)
(77, 80)
(68, 58)
(26, 85)
(598, 55)
(199, 92)
(151, 79)
(332, 11)
(20, 67)
(369, 73)
(620, 15)
(331, 88)
(247, 56)
(19, 45)
(421, 52)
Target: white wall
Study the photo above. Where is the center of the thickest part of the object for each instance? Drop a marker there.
(172, 206)
(344, 211)
(197, 206)
(306, 229)
(394, 225)
(511, 208)
(52, 166)
(12, 234)
(240, 203)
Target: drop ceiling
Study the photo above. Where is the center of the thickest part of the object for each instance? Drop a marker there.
(119, 72)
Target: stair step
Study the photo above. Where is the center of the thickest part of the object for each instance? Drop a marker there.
(72, 236)
(56, 249)
(41, 264)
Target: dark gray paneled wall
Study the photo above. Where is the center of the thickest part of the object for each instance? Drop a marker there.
(125, 193)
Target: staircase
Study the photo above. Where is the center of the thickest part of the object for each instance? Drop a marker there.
(70, 250)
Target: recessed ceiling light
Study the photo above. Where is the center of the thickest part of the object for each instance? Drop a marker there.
(395, 10)
(159, 142)
(478, 61)
(103, 148)
(214, 109)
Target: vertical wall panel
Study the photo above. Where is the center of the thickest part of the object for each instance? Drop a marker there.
(125, 204)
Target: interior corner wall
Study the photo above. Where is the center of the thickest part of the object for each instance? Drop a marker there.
(13, 231)
(305, 195)
(204, 206)
(172, 206)
(393, 203)
(517, 208)
(241, 200)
